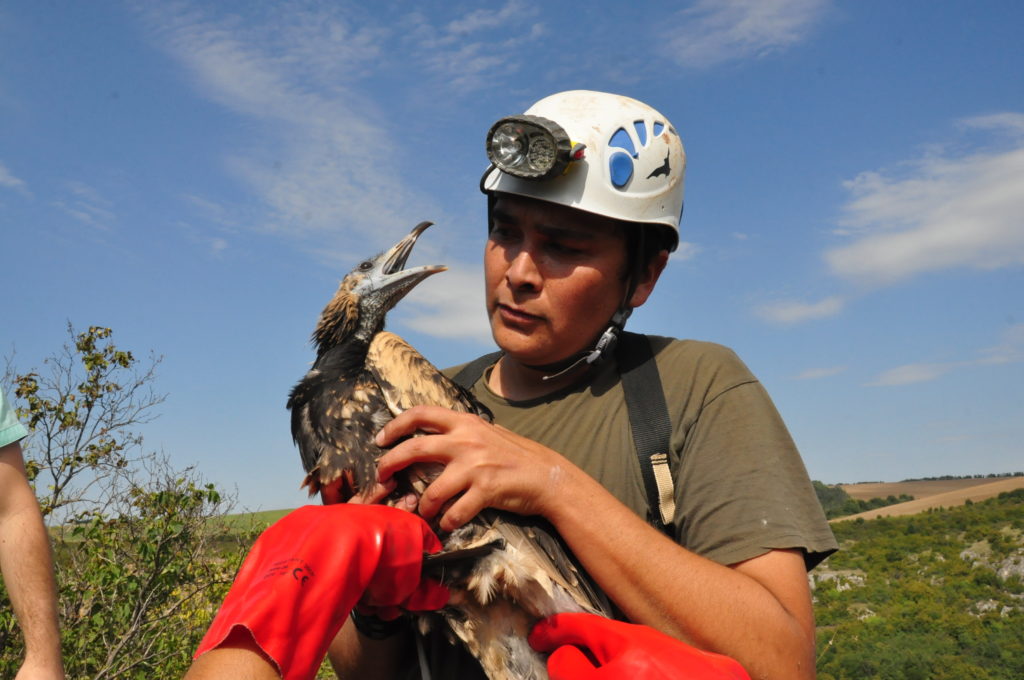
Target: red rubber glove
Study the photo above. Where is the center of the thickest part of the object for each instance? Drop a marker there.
(623, 650)
(307, 570)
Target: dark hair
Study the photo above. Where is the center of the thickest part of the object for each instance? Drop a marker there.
(643, 243)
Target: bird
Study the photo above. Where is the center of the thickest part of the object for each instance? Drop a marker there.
(504, 571)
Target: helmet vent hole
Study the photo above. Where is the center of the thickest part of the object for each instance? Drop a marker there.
(622, 140)
(658, 127)
(641, 131)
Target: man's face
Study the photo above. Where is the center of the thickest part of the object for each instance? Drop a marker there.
(554, 276)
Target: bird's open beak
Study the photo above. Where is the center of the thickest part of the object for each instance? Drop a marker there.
(388, 280)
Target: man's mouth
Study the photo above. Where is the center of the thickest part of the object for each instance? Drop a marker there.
(514, 314)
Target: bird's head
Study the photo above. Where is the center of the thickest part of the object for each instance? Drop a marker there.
(369, 291)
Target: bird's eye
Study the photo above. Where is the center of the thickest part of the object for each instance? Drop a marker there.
(366, 266)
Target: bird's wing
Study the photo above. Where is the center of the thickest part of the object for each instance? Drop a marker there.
(407, 379)
(333, 423)
(550, 564)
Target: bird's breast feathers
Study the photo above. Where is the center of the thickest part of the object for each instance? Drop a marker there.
(407, 379)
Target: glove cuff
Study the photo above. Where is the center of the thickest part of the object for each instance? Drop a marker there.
(376, 628)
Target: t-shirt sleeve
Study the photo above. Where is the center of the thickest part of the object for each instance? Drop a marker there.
(10, 429)
(741, 487)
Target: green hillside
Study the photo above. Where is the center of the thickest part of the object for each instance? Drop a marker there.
(936, 595)
(247, 521)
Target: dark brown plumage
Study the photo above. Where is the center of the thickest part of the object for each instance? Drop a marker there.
(362, 377)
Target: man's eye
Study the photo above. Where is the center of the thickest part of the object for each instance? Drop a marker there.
(563, 248)
(500, 233)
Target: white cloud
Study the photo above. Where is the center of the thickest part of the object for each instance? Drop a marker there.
(327, 170)
(82, 202)
(911, 373)
(1010, 122)
(710, 32)
(212, 211)
(685, 251)
(819, 373)
(1009, 350)
(329, 165)
(8, 180)
(480, 48)
(218, 246)
(943, 212)
(450, 305)
(482, 19)
(787, 312)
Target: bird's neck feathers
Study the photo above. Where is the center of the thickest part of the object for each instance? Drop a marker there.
(338, 322)
(346, 321)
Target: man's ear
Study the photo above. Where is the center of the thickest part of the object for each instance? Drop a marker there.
(648, 278)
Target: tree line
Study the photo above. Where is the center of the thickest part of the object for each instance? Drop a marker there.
(837, 503)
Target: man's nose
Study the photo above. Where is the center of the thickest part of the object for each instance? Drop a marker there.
(522, 271)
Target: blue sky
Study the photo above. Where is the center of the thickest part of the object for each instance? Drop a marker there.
(198, 177)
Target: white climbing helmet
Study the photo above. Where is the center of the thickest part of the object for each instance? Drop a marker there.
(621, 158)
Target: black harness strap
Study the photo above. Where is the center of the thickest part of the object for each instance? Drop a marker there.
(648, 419)
(650, 424)
(474, 370)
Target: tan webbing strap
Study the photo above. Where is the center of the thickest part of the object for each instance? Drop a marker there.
(666, 487)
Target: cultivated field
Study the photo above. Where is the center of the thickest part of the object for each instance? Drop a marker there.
(944, 493)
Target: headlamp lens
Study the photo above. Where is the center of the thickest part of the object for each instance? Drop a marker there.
(528, 146)
(507, 145)
(542, 153)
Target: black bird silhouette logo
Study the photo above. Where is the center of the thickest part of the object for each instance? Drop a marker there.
(662, 169)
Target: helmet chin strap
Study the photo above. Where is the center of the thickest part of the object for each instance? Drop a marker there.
(602, 348)
(606, 343)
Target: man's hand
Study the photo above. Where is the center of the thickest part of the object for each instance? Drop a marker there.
(589, 647)
(306, 572)
(486, 466)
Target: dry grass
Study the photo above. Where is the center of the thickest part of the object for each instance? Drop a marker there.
(944, 493)
(922, 489)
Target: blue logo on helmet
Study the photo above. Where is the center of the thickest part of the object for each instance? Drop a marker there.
(621, 160)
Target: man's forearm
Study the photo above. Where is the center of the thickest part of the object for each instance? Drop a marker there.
(27, 565)
(354, 656)
(26, 561)
(715, 607)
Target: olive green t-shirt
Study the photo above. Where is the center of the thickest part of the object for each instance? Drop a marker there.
(741, 488)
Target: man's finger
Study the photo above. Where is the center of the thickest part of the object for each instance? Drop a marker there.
(422, 418)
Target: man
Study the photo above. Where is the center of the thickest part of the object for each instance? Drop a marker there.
(567, 257)
(25, 557)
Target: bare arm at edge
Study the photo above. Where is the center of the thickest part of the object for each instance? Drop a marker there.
(26, 561)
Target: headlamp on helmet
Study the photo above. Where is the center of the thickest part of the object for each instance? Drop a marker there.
(531, 147)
